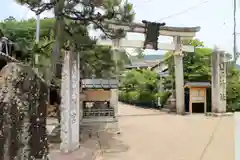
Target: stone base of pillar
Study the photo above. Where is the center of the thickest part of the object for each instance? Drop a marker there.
(93, 126)
(73, 148)
(54, 136)
(171, 104)
(117, 128)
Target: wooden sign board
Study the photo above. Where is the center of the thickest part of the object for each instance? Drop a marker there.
(97, 95)
(198, 95)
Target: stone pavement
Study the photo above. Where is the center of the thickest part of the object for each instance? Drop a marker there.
(88, 151)
(237, 135)
(89, 147)
(151, 134)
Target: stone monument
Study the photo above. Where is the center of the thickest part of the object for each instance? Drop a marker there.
(219, 59)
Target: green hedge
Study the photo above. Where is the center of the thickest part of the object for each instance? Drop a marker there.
(144, 99)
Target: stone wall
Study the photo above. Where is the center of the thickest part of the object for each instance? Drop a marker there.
(23, 102)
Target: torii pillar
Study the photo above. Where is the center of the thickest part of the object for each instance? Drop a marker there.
(179, 76)
(114, 92)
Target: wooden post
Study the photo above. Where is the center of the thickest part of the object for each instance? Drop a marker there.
(160, 90)
(179, 76)
(190, 100)
(205, 101)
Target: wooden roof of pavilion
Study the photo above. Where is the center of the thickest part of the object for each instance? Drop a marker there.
(99, 83)
(197, 84)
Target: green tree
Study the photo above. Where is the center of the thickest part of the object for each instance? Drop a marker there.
(139, 87)
(69, 16)
(196, 65)
(233, 87)
(93, 57)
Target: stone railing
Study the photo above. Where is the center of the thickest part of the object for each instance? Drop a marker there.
(98, 112)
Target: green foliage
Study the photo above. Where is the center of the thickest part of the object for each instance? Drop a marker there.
(95, 59)
(139, 87)
(196, 65)
(71, 23)
(163, 97)
(233, 88)
(23, 31)
(23, 34)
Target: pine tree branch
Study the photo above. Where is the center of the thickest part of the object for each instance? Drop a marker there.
(38, 7)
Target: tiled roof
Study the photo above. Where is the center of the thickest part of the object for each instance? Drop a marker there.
(197, 84)
(99, 83)
(137, 65)
(147, 61)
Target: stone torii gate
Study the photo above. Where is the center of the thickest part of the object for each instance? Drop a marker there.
(70, 92)
(178, 34)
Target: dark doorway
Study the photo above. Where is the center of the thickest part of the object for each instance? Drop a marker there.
(209, 100)
(197, 107)
(186, 99)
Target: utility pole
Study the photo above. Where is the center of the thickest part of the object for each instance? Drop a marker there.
(234, 31)
(37, 39)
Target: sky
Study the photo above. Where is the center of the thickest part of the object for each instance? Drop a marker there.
(215, 17)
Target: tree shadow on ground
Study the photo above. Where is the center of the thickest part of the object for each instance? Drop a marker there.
(146, 105)
(111, 143)
(142, 115)
(108, 140)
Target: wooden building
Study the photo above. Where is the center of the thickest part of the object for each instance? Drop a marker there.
(98, 103)
(196, 97)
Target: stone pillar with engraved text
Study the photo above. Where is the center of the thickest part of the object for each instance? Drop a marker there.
(218, 82)
(69, 103)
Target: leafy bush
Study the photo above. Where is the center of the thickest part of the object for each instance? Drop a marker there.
(163, 97)
(233, 88)
(139, 87)
(133, 96)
